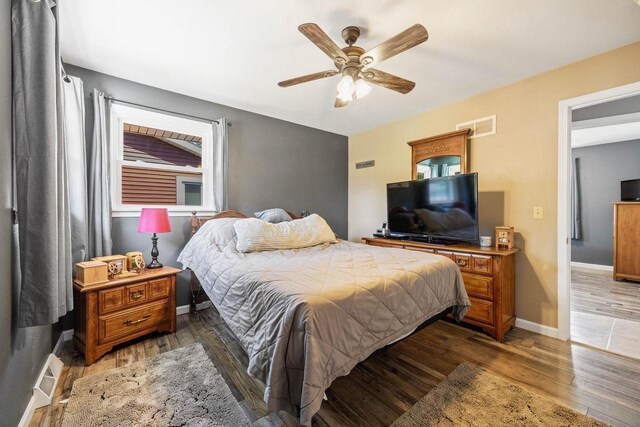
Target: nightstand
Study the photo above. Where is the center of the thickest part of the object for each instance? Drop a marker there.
(114, 312)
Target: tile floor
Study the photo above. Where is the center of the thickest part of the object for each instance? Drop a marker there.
(605, 313)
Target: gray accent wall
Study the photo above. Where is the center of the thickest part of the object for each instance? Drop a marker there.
(272, 163)
(602, 167)
(22, 351)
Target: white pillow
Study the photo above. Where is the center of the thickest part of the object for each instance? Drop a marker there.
(257, 235)
(218, 231)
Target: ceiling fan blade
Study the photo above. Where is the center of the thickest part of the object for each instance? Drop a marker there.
(340, 103)
(407, 39)
(307, 78)
(324, 42)
(389, 81)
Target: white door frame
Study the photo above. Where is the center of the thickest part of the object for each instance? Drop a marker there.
(564, 191)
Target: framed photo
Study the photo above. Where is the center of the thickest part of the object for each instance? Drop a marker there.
(117, 264)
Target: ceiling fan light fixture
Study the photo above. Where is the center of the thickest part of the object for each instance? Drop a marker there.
(362, 88)
(348, 97)
(346, 88)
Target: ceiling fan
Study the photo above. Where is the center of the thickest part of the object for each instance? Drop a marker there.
(353, 62)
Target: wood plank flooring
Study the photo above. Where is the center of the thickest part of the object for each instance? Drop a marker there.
(381, 388)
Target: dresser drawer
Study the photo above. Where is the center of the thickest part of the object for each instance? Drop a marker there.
(111, 300)
(414, 248)
(159, 288)
(481, 311)
(463, 261)
(137, 294)
(482, 264)
(448, 254)
(478, 286)
(387, 245)
(131, 321)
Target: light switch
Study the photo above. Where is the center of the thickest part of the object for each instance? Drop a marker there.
(537, 212)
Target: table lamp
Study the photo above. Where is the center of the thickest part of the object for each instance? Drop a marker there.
(154, 220)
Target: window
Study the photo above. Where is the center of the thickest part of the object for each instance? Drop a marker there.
(162, 160)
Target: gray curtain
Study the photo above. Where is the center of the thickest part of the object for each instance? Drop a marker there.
(74, 132)
(576, 211)
(98, 176)
(40, 166)
(220, 165)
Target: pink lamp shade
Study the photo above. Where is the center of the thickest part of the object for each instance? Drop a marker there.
(154, 220)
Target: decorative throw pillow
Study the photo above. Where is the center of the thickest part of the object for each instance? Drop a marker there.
(255, 235)
(274, 215)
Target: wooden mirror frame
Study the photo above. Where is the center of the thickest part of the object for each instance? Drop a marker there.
(446, 144)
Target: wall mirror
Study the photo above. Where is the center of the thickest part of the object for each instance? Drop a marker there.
(440, 155)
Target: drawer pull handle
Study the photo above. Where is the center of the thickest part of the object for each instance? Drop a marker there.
(135, 322)
(137, 294)
(462, 262)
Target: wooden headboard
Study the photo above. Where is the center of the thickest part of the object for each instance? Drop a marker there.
(196, 222)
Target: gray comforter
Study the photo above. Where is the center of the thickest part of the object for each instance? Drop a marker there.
(308, 316)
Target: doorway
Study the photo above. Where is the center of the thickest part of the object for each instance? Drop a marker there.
(593, 308)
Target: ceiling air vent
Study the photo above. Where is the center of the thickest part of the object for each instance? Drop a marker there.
(480, 127)
(367, 164)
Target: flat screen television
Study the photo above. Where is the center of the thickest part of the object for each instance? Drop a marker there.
(435, 210)
(630, 190)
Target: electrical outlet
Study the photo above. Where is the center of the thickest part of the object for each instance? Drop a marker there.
(537, 212)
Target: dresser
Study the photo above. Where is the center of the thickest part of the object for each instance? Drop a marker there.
(626, 240)
(114, 312)
(489, 278)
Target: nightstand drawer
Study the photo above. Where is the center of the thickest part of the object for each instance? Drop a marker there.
(136, 294)
(131, 321)
(111, 300)
(478, 286)
(159, 288)
(481, 311)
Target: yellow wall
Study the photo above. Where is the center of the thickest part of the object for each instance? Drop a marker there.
(519, 161)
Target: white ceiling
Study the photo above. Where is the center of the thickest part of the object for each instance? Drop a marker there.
(605, 130)
(234, 52)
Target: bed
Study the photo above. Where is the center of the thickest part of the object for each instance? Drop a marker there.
(307, 316)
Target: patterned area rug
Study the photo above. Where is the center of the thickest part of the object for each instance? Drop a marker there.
(177, 388)
(471, 397)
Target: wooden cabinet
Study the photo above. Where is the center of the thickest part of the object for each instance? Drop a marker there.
(113, 312)
(626, 239)
(489, 277)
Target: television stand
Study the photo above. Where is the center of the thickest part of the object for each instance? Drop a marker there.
(489, 276)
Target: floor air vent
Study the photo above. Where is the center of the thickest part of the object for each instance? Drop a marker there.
(484, 126)
(46, 385)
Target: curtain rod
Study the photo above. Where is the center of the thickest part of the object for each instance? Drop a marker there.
(109, 98)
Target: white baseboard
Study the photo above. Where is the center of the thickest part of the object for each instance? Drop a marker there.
(592, 266)
(64, 336)
(537, 328)
(28, 412)
(184, 309)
